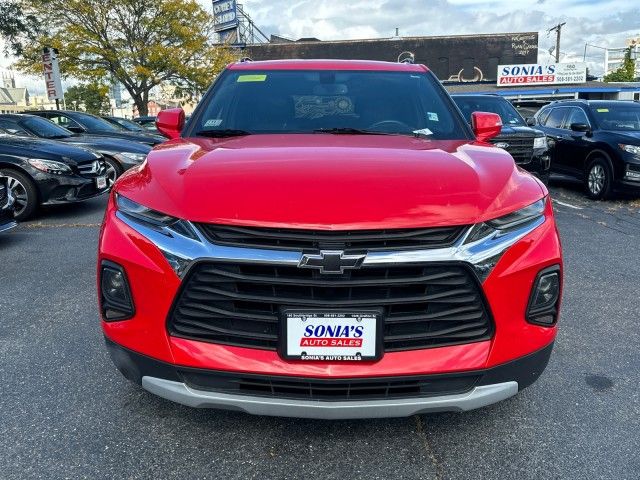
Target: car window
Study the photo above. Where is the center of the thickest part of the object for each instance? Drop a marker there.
(576, 115)
(623, 116)
(508, 114)
(44, 128)
(542, 117)
(63, 121)
(12, 127)
(555, 118)
(305, 101)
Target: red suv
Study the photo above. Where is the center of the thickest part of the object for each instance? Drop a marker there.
(329, 239)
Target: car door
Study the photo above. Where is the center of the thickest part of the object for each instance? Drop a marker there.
(574, 146)
(553, 127)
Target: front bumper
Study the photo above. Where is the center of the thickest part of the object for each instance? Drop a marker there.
(56, 189)
(170, 382)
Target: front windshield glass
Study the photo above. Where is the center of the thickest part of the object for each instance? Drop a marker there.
(308, 101)
(129, 125)
(622, 117)
(95, 124)
(44, 128)
(502, 107)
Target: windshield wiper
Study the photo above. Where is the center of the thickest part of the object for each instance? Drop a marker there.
(227, 132)
(350, 131)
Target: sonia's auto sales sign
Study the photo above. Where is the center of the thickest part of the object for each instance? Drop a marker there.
(537, 74)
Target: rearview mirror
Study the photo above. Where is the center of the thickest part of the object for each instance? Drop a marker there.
(170, 122)
(580, 127)
(486, 125)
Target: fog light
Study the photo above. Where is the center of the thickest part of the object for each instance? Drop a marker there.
(543, 302)
(116, 301)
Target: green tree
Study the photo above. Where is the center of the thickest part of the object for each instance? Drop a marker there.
(91, 96)
(626, 72)
(140, 43)
(15, 26)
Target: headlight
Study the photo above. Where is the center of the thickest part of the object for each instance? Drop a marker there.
(540, 142)
(50, 166)
(634, 149)
(509, 222)
(153, 219)
(131, 157)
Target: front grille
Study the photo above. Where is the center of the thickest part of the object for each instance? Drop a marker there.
(520, 147)
(424, 306)
(333, 389)
(92, 169)
(293, 239)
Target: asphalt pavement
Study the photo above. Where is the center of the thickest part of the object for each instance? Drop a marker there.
(67, 413)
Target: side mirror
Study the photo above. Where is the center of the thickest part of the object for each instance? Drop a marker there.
(580, 127)
(170, 122)
(530, 121)
(486, 125)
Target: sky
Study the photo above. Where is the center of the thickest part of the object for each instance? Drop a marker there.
(604, 23)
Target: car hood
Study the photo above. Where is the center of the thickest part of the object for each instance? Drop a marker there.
(632, 136)
(519, 130)
(131, 136)
(107, 144)
(30, 147)
(330, 182)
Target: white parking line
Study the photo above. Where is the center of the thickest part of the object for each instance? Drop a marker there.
(567, 204)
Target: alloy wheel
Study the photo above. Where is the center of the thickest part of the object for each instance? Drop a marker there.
(597, 177)
(112, 174)
(19, 193)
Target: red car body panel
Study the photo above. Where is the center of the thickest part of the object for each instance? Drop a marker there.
(330, 182)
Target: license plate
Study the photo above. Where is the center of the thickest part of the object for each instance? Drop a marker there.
(101, 182)
(331, 336)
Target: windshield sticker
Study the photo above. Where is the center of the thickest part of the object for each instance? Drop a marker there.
(603, 110)
(251, 78)
(214, 122)
(423, 131)
(315, 106)
(432, 116)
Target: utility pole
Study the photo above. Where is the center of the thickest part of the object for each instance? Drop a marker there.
(558, 29)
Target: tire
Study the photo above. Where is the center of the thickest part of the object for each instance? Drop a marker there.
(25, 193)
(599, 179)
(114, 170)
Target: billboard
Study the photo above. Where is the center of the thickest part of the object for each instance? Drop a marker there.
(225, 15)
(455, 58)
(51, 70)
(537, 74)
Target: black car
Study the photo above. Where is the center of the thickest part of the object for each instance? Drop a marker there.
(82, 122)
(43, 172)
(596, 141)
(126, 124)
(6, 205)
(527, 146)
(147, 122)
(119, 154)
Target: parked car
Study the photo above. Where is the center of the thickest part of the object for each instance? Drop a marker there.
(7, 201)
(527, 146)
(119, 155)
(147, 122)
(329, 239)
(43, 172)
(86, 123)
(596, 141)
(126, 124)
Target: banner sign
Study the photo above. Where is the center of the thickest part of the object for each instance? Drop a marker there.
(225, 15)
(51, 71)
(536, 74)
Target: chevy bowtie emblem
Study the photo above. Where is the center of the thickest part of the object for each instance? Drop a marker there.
(331, 261)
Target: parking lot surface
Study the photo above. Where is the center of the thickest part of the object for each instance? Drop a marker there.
(67, 413)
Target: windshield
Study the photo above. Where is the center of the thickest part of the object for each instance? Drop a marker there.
(502, 107)
(286, 101)
(128, 125)
(95, 124)
(44, 128)
(623, 117)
